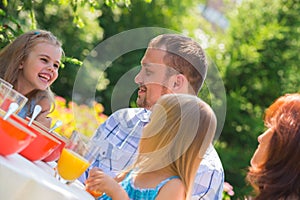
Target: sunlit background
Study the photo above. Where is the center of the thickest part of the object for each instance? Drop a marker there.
(254, 44)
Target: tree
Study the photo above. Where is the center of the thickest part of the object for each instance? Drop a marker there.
(73, 22)
(260, 63)
(176, 15)
(257, 56)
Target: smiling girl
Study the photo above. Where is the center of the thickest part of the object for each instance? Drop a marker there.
(30, 63)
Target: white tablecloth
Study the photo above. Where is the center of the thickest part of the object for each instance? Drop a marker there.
(22, 179)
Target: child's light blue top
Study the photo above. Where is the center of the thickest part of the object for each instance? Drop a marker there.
(135, 193)
(23, 112)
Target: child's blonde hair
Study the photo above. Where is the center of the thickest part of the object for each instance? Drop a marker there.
(180, 130)
(17, 52)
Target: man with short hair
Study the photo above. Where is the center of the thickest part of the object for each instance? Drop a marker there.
(172, 64)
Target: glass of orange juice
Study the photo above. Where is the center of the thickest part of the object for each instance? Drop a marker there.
(76, 157)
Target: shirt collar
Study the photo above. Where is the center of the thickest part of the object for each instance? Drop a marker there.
(144, 115)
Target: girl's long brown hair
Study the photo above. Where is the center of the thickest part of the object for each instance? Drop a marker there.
(17, 52)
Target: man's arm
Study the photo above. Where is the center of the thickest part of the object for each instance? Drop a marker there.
(210, 177)
(118, 138)
(100, 134)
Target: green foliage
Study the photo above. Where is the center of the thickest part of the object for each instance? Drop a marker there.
(9, 28)
(172, 14)
(73, 22)
(260, 63)
(81, 24)
(258, 56)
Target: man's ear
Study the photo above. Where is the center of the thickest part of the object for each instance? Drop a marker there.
(179, 82)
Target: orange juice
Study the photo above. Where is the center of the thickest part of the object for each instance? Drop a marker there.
(94, 193)
(71, 165)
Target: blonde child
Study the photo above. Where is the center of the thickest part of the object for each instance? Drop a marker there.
(30, 63)
(172, 146)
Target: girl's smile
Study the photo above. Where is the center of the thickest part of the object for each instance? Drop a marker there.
(40, 69)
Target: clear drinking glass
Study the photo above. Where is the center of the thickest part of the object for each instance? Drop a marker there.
(76, 157)
(12, 96)
(2, 81)
(3, 92)
(5, 87)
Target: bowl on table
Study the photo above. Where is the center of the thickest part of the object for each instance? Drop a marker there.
(42, 146)
(14, 137)
(54, 156)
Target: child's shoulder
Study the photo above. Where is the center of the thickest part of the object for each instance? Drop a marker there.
(174, 183)
(173, 189)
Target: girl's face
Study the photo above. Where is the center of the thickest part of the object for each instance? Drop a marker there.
(261, 152)
(40, 69)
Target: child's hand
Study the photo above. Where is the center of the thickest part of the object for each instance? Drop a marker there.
(43, 116)
(99, 182)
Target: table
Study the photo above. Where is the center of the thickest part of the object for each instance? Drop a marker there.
(21, 179)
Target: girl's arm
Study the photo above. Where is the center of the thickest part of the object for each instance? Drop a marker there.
(98, 181)
(120, 177)
(43, 116)
(174, 190)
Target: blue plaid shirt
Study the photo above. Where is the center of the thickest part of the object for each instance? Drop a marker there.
(119, 137)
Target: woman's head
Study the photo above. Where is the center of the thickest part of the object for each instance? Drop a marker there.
(275, 170)
(31, 61)
(180, 130)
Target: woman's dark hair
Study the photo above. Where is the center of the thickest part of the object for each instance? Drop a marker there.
(279, 176)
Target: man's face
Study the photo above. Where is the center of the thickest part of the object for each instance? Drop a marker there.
(152, 79)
